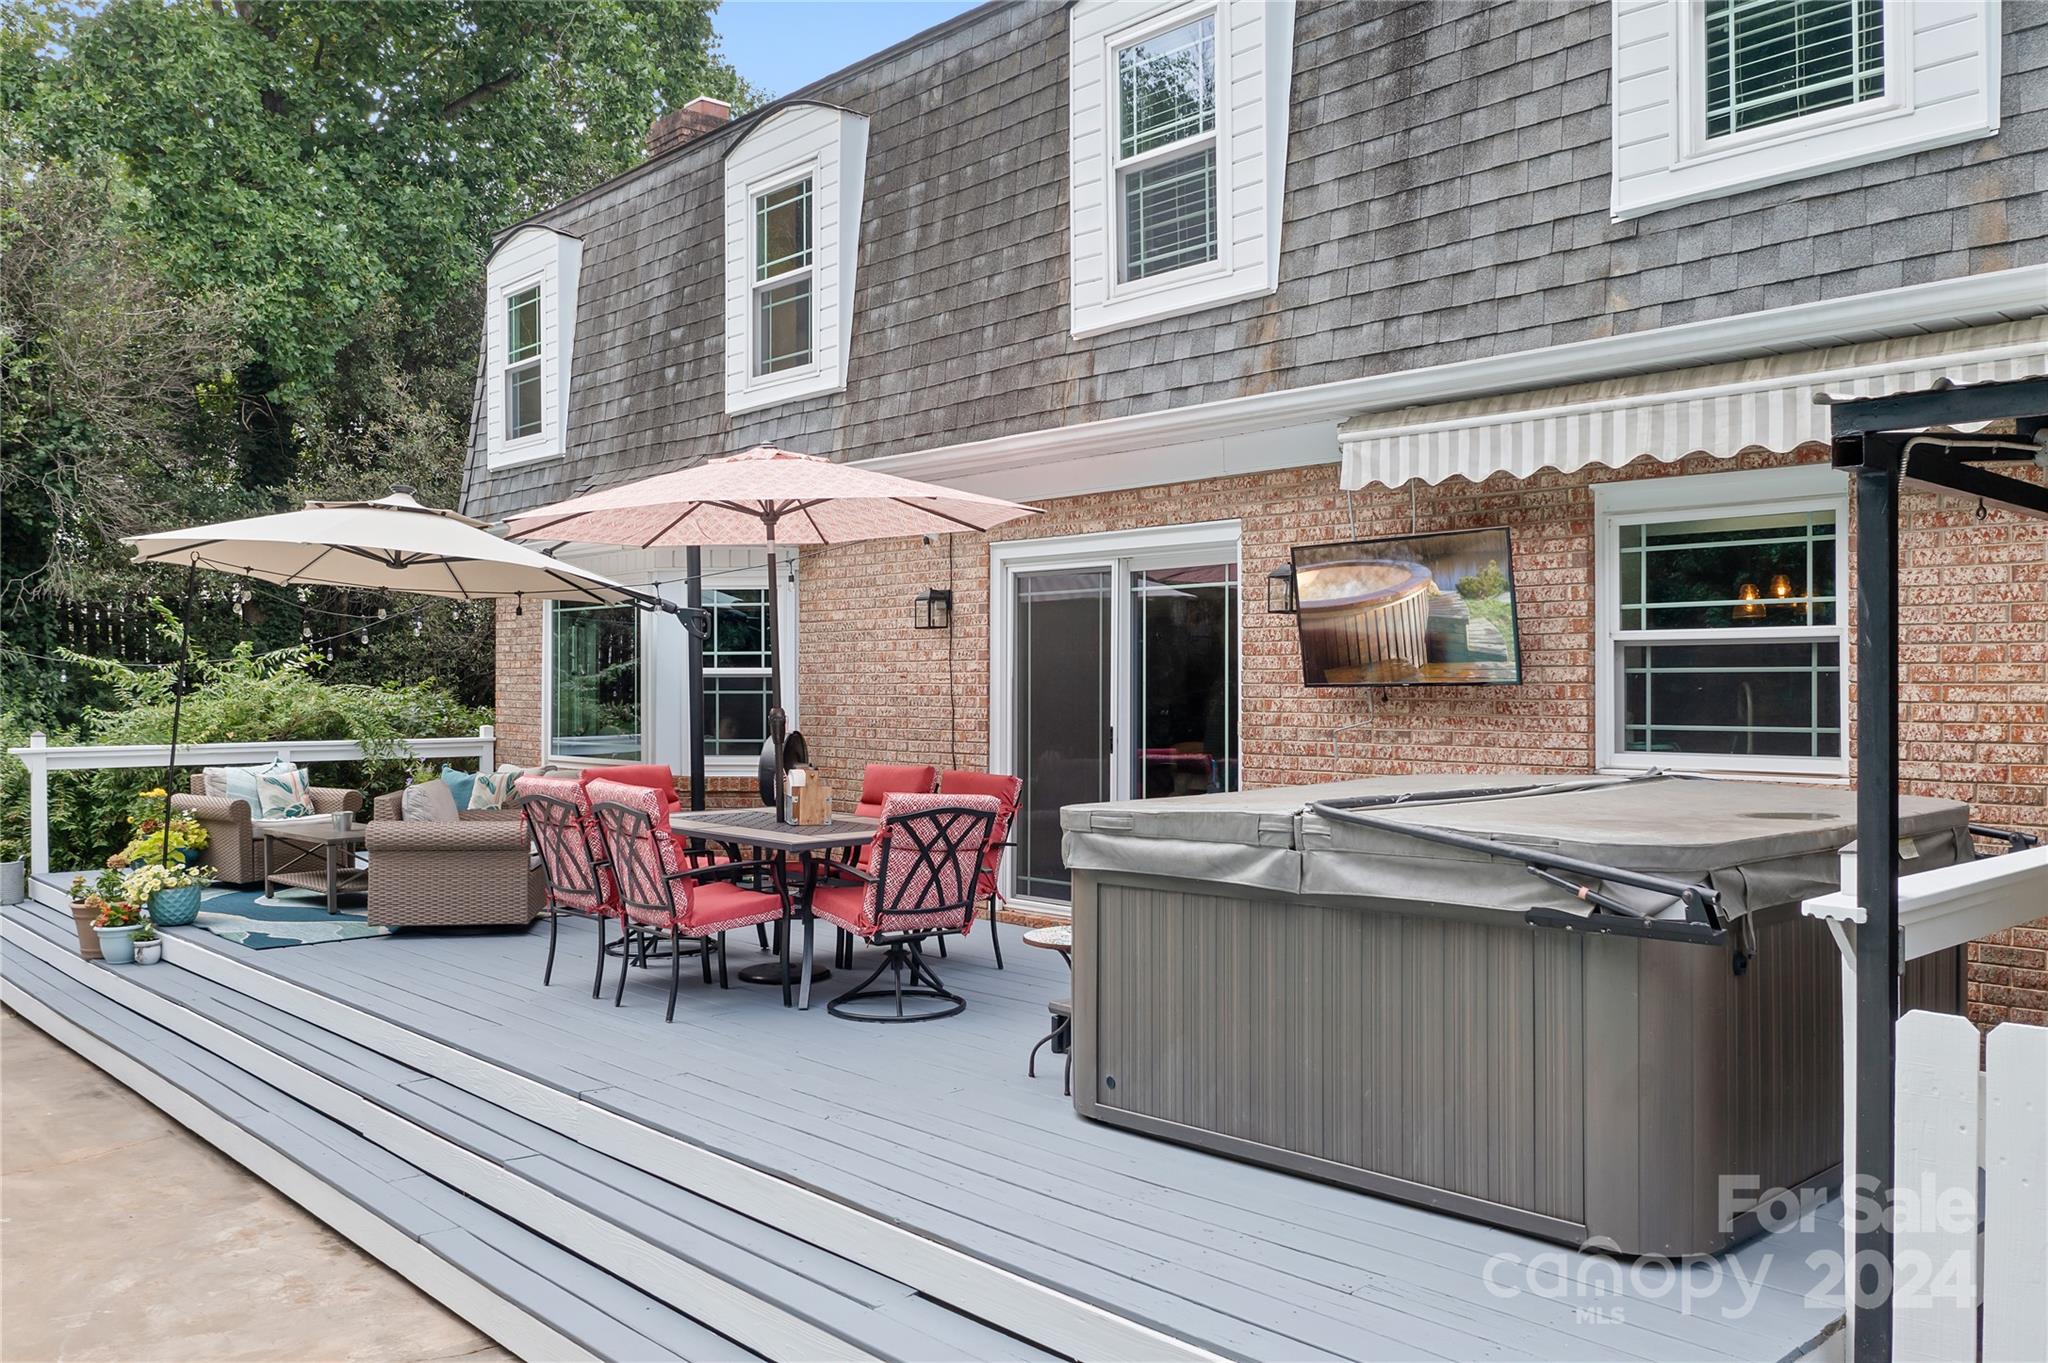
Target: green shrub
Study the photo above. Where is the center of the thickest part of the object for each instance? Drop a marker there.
(1485, 584)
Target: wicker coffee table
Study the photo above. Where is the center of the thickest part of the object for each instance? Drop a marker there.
(315, 856)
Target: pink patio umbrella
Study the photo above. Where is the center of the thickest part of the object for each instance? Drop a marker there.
(764, 496)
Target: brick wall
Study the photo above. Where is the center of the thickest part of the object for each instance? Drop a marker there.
(518, 662)
(1974, 695)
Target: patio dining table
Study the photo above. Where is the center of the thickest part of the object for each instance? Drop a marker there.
(811, 844)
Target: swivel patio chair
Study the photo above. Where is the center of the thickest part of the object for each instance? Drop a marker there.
(572, 860)
(1007, 790)
(660, 892)
(924, 865)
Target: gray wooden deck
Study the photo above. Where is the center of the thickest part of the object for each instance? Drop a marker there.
(931, 1129)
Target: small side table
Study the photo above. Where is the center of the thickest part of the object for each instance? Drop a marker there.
(323, 857)
(1060, 939)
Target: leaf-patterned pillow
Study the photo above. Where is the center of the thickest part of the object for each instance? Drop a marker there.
(493, 789)
(282, 793)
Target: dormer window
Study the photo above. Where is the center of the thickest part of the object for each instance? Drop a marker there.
(522, 364)
(1178, 151)
(529, 345)
(782, 278)
(793, 188)
(1166, 149)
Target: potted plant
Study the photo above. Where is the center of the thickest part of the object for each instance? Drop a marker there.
(149, 948)
(83, 912)
(172, 893)
(13, 872)
(116, 925)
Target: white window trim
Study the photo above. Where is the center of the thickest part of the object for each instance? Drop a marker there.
(1152, 546)
(756, 284)
(1811, 487)
(1254, 79)
(538, 362)
(1663, 157)
(827, 146)
(1120, 166)
(548, 755)
(786, 655)
(534, 257)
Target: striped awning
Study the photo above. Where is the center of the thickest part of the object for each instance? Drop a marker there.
(1722, 409)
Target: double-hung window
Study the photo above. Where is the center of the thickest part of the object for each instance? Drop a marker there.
(1166, 150)
(522, 364)
(1725, 643)
(782, 286)
(594, 691)
(736, 676)
(1771, 60)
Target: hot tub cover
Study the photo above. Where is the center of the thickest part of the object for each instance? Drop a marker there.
(1758, 844)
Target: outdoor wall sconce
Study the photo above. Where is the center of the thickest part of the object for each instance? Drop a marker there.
(1280, 597)
(1750, 604)
(933, 609)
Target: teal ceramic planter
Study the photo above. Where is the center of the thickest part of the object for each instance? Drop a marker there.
(174, 908)
(189, 855)
(117, 945)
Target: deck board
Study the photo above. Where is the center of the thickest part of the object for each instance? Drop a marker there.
(934, 1127)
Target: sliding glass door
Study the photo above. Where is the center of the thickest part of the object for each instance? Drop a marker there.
(1116, 677)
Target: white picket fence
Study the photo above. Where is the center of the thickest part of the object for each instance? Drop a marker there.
(41, 759)
(1972, 1175)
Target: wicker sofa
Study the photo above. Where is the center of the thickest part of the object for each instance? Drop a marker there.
(229, 824)
(477, 872)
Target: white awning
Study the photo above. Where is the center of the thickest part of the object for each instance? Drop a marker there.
(1722, 409)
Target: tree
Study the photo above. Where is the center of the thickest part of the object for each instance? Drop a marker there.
(320, 181)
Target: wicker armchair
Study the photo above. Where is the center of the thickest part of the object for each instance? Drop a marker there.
(230, 840)
(477, 872)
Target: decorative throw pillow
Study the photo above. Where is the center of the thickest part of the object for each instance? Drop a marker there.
(460, 784)
(429, 802)
(234, 783)
(493, 789)
(281, 791)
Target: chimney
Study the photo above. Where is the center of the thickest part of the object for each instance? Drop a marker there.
(701, 115)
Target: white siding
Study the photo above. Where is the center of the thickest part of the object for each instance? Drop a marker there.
(1255, 69)
(534, 255)
(1941, 87)
(831, 146)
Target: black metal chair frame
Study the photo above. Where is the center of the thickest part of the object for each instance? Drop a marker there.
(619, 825)
(562, 878)
(940, 839)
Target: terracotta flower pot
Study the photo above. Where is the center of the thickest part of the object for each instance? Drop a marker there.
(88, 941)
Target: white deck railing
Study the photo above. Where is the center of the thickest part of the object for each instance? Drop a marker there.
(41, 759)
(1961, 1129)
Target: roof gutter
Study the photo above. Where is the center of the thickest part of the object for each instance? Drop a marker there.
(1994, 296)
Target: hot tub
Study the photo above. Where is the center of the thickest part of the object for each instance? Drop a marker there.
(1386, 995)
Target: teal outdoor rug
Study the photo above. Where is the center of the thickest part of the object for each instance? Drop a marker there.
(289, 918)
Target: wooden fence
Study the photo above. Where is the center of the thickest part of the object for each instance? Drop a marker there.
(1972, 1174)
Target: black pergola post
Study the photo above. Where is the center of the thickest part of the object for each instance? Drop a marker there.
(1877, 889)
(693, 672)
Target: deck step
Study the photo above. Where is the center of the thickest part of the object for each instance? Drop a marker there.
(432, 1149)
(529, 1294)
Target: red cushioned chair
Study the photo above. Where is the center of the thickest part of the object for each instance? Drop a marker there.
(1007, 790)
(880, 780)
(572, 860)
(925, 864)
(652, 775)
(660, 892)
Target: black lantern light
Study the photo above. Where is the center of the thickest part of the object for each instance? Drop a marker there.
(1280, 597)
(933, 609)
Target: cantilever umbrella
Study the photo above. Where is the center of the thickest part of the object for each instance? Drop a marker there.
(764, 496)
(392, 544)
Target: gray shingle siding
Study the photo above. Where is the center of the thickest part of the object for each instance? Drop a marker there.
(1446, 199)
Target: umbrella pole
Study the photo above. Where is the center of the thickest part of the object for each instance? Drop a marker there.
(178, 702)
(778, 718)
(693, 576)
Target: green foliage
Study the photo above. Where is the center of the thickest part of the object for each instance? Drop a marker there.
(244, 696)
(241, 258)
(1485, 584)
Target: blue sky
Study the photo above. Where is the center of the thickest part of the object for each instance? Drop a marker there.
(783, 45)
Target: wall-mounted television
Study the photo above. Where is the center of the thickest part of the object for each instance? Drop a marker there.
(1413, 610)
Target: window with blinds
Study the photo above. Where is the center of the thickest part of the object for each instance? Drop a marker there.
(1772, 60)
(1166, 150)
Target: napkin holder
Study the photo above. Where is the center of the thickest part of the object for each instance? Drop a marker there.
(810, 798)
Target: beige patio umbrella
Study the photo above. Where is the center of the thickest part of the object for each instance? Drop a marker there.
(765, 496)
(390, 544)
